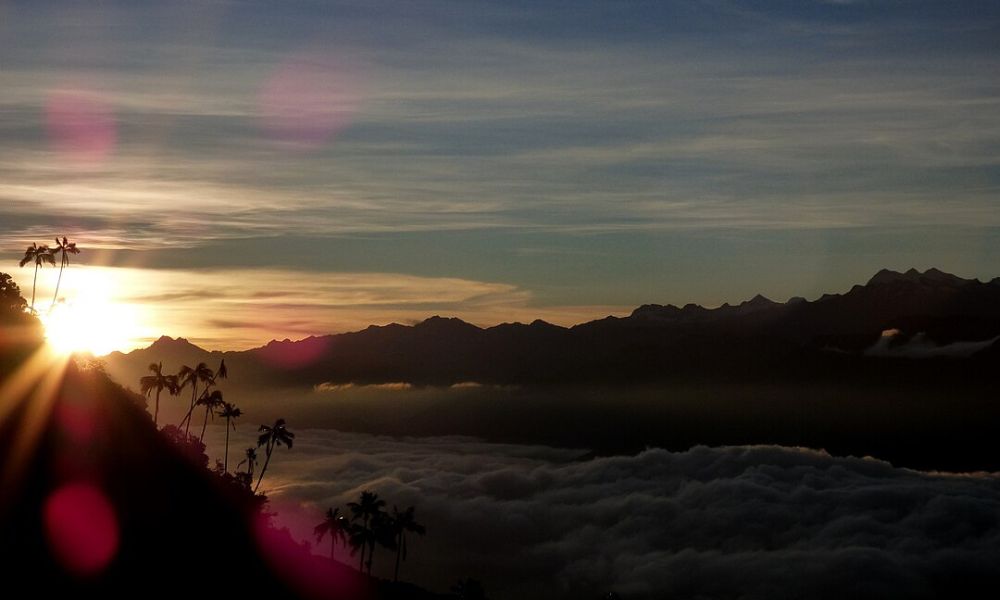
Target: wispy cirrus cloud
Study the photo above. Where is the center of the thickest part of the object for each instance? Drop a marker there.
(519, 132)
(654, 121)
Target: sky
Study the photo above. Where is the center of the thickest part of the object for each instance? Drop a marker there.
(242, 171)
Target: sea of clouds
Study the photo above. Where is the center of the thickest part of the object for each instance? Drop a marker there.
(727, 522)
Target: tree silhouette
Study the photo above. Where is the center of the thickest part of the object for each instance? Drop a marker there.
(270, 437)
(64, 249)
(39, 255)
(383, 536)
(159, 382)
(336, 525)
(400, 523)
(250, 460)
(369, 510)
(357, 537)
(193, 376)
(366, 537)
(211, 402)
(469, 589)
(12, 304)
(229, 412)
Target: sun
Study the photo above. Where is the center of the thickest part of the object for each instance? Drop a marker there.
(91, 321)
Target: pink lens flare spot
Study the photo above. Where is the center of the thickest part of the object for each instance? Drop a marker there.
(314, 577)
(80, 125)
(81, 528)
(294, 355)
(308, 99)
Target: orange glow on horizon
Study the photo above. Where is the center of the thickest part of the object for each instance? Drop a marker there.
(104, 308)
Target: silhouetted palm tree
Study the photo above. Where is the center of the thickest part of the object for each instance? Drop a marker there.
(64, 249)
(357, 537)
(336, 525)
(229, 412)
(469, 589)
(270, 437)
(193, 376)
(401, 522)
(211, 402)
(377, 532)
(251, 460)
(384, 536)
(38, 255)
(369, 510)
(159, 382)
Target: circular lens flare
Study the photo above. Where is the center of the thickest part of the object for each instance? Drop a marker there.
(81, 528)
(308, 99)
(81, 125)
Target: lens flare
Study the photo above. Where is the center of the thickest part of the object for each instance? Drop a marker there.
(308, 99)
(81, 528)
(81, 126)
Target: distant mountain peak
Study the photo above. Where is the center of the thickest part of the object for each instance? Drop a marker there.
(931, 275)
(758, 300)
(539, 323)
(167, 341)
(439, 323)
(885, 276)
(654, 310)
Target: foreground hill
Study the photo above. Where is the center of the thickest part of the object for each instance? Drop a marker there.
(95, 502)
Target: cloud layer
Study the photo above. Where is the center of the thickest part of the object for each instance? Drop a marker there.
(472, 118)
(748, 522)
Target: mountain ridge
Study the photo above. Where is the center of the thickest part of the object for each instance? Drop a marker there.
(758, 337)
(438, 322)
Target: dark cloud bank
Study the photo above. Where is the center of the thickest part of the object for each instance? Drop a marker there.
(729, 522)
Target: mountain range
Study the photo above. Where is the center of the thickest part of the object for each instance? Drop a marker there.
(893, 318)
(901, 368)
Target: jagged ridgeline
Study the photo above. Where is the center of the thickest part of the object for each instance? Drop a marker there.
(925, 313)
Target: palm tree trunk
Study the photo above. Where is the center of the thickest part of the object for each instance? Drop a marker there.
(399, 552)
(266, 460)
(55, 296)
(34, 282)
(187, 417)
(333, 546)
(156, 413)
(364, 543)
(371, 556)
(226, 465)
(204, 425)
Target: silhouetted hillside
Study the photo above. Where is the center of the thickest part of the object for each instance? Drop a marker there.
(95, 502)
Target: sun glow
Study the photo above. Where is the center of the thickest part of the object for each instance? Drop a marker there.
(86, 327)
(91, 320)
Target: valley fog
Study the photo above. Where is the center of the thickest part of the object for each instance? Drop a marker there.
(534, 521)
(935, 427)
